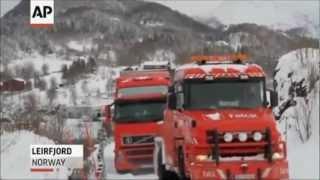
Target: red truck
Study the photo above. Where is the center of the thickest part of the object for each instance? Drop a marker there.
(139, 102)
(219, 123)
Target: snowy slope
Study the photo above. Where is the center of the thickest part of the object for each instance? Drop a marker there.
(53, 61)
(240, 39)
(15, 156)
(303, 148)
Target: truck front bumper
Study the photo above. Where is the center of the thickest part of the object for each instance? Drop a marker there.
(276, 170)
(134, 158)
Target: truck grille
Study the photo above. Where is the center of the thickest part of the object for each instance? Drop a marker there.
(138, 140)
(140, 155)
(220, 148)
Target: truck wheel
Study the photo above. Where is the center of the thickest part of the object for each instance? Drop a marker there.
(121, 171)
(161, 169)
(181, 164)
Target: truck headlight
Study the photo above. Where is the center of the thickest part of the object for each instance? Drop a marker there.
(202, 157)
(257, 136)
(227, 137)
(242, 136)
(276, 156)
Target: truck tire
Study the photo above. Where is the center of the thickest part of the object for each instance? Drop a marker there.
(121, 172)
(161, 169)
(181, 165)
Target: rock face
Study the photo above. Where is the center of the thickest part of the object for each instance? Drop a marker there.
(131, 30)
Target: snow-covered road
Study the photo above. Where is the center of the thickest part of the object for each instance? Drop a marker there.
(110, 172)
(15, 156)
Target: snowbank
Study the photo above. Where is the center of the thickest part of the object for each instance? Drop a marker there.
(298, 121)
(15, 156)
(300, 63)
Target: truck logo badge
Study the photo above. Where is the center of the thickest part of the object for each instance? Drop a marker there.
(242, 115)
(214, 116)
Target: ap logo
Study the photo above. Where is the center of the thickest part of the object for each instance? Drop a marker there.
(41, 13)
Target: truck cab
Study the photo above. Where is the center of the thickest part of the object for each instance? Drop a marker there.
(219, 123)
(139, 102)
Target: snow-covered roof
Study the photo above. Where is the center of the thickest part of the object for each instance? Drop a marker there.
(221, 43)
(18, 79)
(208, 67)
(155, 63)
(252, 70)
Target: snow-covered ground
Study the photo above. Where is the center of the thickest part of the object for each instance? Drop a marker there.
(92, 91)
(303, 156)
(53, 61)
(15, 156)
(77, 129)
(81, 45)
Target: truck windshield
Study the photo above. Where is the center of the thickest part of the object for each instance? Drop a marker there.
(139, 111)
(143, 90)
(225, 94)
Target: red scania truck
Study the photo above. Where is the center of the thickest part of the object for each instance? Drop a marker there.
(219, 123)
(139, 102)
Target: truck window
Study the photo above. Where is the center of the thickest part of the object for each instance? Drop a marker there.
(141, 111)
(225, 94)
(143, 90)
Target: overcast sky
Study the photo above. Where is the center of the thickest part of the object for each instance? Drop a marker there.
(6, 5)
(266, 12)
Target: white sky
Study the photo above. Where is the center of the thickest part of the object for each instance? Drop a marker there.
(267, 12)
(6, 5)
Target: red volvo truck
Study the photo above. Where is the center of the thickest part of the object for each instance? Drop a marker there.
(139, 102)
(219, 123)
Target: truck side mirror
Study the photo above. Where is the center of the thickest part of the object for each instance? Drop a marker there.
(172, 101)
(272, 98)
(107, 111)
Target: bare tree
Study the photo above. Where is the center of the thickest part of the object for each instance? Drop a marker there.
(30, 115)
(98, 93)
(45, 69)
(64, 70)
(84, 86)
(56, 125)
(30, 102)
(6, 73)
(52, 91)
(74, 95)
(27, 71)
(42, 85)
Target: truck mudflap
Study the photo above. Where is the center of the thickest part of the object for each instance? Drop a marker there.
(255, 170)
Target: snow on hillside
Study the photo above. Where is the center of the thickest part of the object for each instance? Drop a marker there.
(240, 39)
(53, 61)
(222, 43)
(300, 63)
(300, 123)
(15, 156)
(81, 45)
(162, 55)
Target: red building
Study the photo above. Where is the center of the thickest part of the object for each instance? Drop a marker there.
(13, 85)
